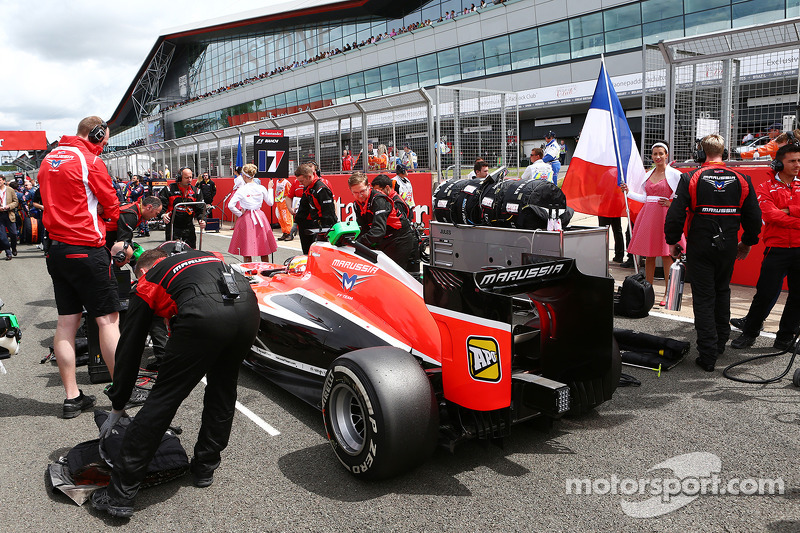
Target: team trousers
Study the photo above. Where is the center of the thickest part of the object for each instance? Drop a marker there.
(778, 263)
(212, 343)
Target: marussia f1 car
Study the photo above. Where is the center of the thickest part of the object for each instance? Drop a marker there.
(397, 366)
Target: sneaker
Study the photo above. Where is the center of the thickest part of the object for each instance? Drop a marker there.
(73, 407)
(201, 479)
(738, 323)
(784, 345)
(102, 502)
(743, 341)
(708, 367)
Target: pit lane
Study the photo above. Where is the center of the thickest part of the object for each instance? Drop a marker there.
(293, 482)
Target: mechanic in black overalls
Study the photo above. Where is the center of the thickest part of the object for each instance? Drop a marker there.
(382, 226)
(182, 191)
(316, 209)
(717, 201)
(131, 216)
(212, 330)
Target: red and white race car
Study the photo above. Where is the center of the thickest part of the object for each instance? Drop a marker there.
(397, 366)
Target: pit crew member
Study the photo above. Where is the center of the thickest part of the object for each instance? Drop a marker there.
(779, 199)
(182, 191)
(214, 320)
(718, 200)
(382, 226)
(78, 199)
(316, 209)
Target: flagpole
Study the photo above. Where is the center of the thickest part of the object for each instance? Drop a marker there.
(614, 134)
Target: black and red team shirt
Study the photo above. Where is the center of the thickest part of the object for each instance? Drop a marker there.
(317, 208)
(379, 219)
(176, 195)
(716, 199)
(130, 216)
(175, 287)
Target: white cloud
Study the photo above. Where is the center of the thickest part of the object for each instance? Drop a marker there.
(67, 60)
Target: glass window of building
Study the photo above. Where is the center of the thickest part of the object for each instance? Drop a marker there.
(623, 39)
(662, 30)
(653, 10)
(708, 21)
(693, 6)
(756, 12)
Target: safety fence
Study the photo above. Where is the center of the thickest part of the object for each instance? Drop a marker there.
(408, 126)
(739, 83)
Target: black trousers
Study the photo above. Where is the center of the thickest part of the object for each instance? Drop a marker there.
(710, 271)
(305, 240)
(616, 229)
(212, 343)
(186, 233)
(778, 263)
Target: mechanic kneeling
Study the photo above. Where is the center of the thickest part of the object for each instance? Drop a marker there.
(213, 318)
(382, 226)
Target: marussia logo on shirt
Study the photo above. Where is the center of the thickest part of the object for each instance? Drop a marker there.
(54, 163)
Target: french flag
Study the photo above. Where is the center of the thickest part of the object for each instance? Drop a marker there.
(605, 157)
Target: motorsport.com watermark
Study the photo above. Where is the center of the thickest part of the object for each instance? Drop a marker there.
(694, 474)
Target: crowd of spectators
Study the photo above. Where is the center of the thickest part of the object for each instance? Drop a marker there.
(334, 52)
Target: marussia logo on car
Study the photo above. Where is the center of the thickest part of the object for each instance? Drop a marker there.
(349, 281)
(484, 359)
(519, 274)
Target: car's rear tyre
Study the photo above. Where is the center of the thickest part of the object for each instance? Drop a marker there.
(380, 412)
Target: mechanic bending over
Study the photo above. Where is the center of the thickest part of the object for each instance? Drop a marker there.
(382, 226)
(214, 319)
(130, 217)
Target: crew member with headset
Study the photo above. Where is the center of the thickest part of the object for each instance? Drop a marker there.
(383, 183)
(316, 209)
(382, 226)
(213, 316)
(182, 191)
(779, 199)
(717, 200)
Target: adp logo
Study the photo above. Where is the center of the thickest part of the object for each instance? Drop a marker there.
(484, 359)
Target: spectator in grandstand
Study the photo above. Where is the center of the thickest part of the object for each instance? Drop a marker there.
(538, 169)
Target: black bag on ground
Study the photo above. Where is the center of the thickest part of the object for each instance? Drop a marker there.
(635, 297)
(85, 468)
(649, 350)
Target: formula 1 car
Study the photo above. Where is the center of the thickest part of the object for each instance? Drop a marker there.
(396, 366)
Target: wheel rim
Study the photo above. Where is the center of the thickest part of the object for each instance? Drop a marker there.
(348, 419)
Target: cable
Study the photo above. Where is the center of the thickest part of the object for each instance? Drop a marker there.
(764, 356)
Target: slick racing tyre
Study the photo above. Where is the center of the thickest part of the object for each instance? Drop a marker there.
(380, 412)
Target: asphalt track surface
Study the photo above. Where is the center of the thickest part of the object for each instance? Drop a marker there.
(292, 481)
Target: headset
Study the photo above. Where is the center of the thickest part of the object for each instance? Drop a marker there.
(777, 165)
(179, 175)
(700, 156)
(98, 133)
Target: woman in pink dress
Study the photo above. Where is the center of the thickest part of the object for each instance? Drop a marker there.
(252, 235)
(647, 239)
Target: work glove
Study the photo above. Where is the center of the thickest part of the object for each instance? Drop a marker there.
(111, 421)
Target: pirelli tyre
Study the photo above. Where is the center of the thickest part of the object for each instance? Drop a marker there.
(380, 412)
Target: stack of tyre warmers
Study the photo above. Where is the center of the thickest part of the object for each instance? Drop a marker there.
(650, 350)
(87, 467)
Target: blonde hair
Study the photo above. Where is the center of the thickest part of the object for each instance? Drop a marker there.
(713, 144)
(381, 149)
(356, 178)
(250, 169)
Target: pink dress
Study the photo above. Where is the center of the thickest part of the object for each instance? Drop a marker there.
(252, 235)
(647, 239)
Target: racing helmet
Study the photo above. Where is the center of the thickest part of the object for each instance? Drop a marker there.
(297, 264)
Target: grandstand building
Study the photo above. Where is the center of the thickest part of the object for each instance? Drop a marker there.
(314, 54)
